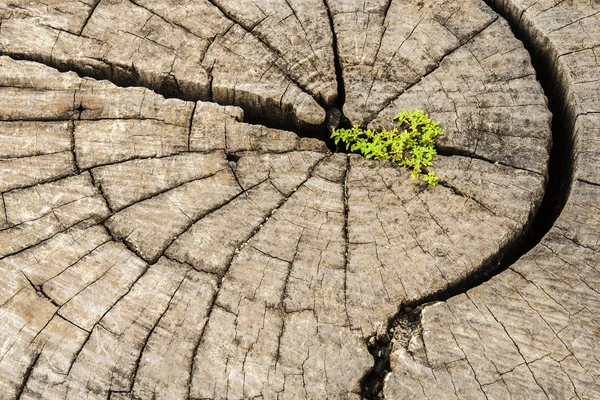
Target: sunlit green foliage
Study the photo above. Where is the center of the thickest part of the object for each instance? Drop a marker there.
(411, 144)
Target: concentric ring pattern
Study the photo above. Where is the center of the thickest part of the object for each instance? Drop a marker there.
(155, 245)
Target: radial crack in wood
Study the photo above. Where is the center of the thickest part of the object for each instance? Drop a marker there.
(156, 247)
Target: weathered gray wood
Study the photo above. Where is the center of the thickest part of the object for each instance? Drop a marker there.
(386, 46)
(191, 51)
(299, 33)
(531, 331)
(487, 99)
(282, 230)
(164, 248)
(527, 333)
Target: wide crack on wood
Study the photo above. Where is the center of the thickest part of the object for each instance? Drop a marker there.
(402, 328)
(221, 50)
(561, 162)
(406, 321)
(341, 98)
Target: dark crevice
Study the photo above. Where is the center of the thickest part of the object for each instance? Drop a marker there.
(73, 144)
(232, 157)
(587, 182)
(401, 327)
(6, 220)
(560, 179)
(191, 125)
(452, 152)
(127, 76)
(123, 76)
(335, 116)
(321, 132)
(341, 97)
(92, 10)
(39, 289)
(407, 321)
(387, 10)
(125, 243)
(70, 322)
(28, 372)
(32, 155)
(371, 384)
(560, 168)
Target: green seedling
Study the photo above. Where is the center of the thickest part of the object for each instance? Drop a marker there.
(411, 144)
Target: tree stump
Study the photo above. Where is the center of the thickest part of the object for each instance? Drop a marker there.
(173, 224)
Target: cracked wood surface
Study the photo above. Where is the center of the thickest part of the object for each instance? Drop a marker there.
(191, 51)
(532, 331)
(298, 32)
(163, 248)
(387, 46)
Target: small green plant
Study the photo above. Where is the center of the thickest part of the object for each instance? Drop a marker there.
(411, 144)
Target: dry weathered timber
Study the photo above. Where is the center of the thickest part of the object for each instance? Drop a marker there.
(282, 306)
(407, 242)
(163, 248)
(532, 331)
(487, 99)
(192, 51)
(386, 46)
(267, 256)
(299, 32)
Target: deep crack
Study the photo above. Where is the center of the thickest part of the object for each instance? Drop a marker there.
(556, 194)
(406, 322)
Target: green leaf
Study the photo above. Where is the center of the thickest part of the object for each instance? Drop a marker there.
(411, 144)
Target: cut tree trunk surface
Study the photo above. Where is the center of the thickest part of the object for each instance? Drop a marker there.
(153, 245)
